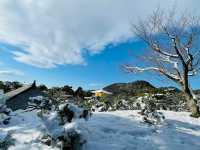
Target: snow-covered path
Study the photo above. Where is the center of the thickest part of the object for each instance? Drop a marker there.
(123, 130)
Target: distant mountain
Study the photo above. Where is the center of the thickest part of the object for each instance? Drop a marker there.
(130, 88)
(126, 96)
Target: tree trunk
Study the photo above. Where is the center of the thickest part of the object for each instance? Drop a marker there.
(194, 108)
(190, 97)
(192, 104)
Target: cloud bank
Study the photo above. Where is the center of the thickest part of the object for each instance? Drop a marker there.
(11, 72)
(57, 32)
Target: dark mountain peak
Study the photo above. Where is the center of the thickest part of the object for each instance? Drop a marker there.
(142, 83)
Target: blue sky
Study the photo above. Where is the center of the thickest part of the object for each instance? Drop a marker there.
(74, 42)
(101, 69)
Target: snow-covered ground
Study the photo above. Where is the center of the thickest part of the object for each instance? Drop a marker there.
(25, 129)
(119, 130)
(123, 130)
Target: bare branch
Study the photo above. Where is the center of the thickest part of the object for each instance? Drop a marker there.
(138, 69)
(174, 63)
(160, 70)
(158, 49)
(189, 42)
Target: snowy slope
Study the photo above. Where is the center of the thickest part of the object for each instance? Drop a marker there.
(120, 130)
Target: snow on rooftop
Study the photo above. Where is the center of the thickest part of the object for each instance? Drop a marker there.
(13, 93)
(101, 91)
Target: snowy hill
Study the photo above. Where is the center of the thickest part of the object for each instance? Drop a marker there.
(119, 130)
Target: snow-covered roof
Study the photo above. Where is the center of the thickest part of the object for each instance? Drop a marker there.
(13, 93)
(101, 91)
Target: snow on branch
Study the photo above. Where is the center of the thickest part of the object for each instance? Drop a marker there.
(160, 70)
(168, 59)
(138, 69)
(158, 49)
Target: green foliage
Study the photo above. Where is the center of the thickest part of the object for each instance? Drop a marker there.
(196, 115)
(87, 104)
(10, 85)
(2, 85)
(68, 90)
(5, 144)
(42, 87)
(79, 92)
(16, 84)
(82, 93)
(103, 98)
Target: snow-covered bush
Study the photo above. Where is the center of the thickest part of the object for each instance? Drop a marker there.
(4, 109)
(4, 114)
(154, 118)
(64, 127)
(5, 140)
(139, 103)
(96, 104)
(122, 105)
(99, 107)
(41, 103)
(150, 113)
(69, 111)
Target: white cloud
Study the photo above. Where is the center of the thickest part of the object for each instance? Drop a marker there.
(11, 73)
(55, 32)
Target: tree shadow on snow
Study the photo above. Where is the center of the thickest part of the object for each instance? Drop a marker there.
(177, 135)
(128, 133)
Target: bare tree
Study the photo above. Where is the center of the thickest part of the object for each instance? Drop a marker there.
(173, 40)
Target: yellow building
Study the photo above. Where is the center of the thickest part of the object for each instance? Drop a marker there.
(100, 93)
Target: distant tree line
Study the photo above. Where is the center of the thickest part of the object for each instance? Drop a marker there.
(9, 86)
(68, 90)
